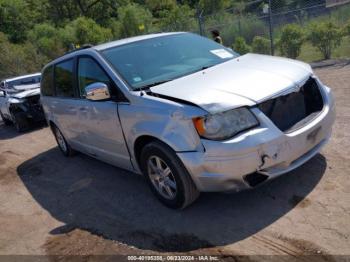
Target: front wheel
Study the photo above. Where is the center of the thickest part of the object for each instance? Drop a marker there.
(20, 121)
(168, 178)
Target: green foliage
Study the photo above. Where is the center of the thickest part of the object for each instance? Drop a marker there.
(247, 27)
(63, 11)
(157, 7)
(346, 29)
(18, 59)
(291, 40)
(325, 37)
(261, 45)
(251, 26)
(14, 19)
(46, 39)
(241, 46)
(180, 18)
(134, 19)
(213, 6)
(87, 31)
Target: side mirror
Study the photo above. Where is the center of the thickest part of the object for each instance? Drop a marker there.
(2, 94)
(97, 91)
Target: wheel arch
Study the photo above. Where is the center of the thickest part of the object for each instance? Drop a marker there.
(141, 142)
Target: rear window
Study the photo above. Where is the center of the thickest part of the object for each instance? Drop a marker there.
(64, 79)
(47, 82)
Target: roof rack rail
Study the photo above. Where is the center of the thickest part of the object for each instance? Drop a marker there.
(85, 46)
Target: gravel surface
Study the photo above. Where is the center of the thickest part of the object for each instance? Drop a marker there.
(52, 205)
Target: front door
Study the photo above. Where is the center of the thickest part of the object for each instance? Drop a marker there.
(99, 121)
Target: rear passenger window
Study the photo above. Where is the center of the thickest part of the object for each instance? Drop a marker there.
(64, 79)
(90, 72)
(46, 85)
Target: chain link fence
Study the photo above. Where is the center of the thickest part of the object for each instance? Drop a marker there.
(263, 19)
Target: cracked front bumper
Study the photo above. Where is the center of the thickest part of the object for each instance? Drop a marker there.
(265, 150)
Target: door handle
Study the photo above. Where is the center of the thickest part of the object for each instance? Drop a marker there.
(83, 109)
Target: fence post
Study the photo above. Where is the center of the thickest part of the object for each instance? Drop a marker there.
(200, 22)
(271, 28)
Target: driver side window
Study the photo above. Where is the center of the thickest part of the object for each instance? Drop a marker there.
(90, 72)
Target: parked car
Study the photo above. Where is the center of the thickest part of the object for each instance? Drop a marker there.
(20, 83)
(20, 101)
(188, 113)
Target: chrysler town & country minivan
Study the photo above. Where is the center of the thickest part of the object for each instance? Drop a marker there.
(189, 114)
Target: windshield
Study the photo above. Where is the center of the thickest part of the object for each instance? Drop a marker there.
(161, 59)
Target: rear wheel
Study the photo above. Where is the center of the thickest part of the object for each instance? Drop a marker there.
(62, 143)
(5, 120)
(20, 121)
(167, 176)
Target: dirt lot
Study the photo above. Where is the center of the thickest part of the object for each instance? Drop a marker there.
(57, 206)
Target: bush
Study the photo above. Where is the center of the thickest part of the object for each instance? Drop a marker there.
(346, 30)
(292, 38)
(241, 46)
(261, 45)
(325, 36)
(18, 59)
(84, 31)
(46, 39)
(134, 19)
(180, 18)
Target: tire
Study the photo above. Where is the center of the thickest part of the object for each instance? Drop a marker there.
(155, 158)
(65, 148)
(20, 121)
(5, 120)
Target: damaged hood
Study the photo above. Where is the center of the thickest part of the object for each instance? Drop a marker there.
(242, 81)
(26, 87)
(28, 93)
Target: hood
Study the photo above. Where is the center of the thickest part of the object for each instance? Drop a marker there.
(26, 87)
(27, 93)
(243, 81)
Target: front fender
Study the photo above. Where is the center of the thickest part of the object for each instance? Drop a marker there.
(169, 122)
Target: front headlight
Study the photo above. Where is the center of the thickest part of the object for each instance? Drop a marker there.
(224, 125)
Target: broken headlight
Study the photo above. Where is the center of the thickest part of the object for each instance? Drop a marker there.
(226, 124)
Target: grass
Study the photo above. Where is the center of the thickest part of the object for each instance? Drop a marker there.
(311, 54)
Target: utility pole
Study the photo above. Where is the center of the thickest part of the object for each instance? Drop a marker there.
(271, 29)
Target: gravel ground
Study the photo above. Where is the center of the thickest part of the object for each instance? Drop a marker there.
(51, 205)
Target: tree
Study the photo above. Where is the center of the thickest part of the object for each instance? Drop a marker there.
(241, 46)
(135, 20)
(157, 7)
(14, 19)
(84, 31)
(18, 59)
(292, 38)
(213, 6)
(180, 18)
(46, 39)
(346, 29)
(63, 11)
(325, 36)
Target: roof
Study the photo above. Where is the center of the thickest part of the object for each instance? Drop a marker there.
(107, 45)
(21, 77)
(131, 40)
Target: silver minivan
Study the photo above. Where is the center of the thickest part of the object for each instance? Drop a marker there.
(189, 114)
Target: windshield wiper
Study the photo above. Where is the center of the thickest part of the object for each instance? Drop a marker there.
(146, 87)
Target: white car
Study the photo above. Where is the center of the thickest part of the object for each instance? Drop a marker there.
(20, 101)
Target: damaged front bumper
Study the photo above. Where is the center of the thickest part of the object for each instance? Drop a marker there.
(266, 150)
